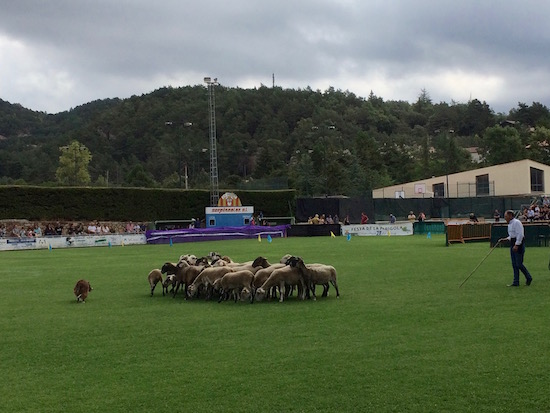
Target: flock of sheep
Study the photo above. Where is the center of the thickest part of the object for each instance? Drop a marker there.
(220, 277)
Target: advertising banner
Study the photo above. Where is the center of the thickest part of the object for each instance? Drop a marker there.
(399, 228)
(11, 244)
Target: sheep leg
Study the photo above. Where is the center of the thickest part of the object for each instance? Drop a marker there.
(282, 292)
(325, 290)
(176, 290)
(209, 290)
(302, 287)
(311, 286)
(335, 284)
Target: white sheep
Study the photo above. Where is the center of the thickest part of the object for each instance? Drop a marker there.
(188, 258)
(206, 279)
(263, 274)
(234, 282)
(282, 277)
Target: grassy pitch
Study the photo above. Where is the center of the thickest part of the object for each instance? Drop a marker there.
(401, 338)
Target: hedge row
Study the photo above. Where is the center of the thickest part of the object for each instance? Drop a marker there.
(127, 204)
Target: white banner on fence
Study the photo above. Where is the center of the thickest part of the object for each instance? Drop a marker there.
(402, 228)
(11, 244)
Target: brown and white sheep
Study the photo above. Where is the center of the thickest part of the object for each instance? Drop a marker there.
(184, 273)
(281, 278)
(234, 282)
(155, 277)
(169, 280)
(316, 274)
(81, 290)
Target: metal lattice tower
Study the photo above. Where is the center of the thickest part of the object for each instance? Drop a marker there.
(214, 190)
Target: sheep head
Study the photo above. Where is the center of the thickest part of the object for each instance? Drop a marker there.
(192, 289)
(169, 280)
(260, 294)
(219, 263)
(202, 261)
(294, 261)
(285, 259)
(260, 262)
(245, 294)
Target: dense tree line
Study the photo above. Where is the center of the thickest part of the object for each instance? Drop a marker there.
(330, 142)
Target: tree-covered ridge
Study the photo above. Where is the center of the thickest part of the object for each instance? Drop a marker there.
(330, 142)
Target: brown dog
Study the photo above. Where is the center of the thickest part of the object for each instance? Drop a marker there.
(81, 290)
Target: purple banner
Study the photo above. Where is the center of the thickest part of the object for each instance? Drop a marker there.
(214, 234)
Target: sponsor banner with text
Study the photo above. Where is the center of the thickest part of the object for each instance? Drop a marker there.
(399, 228)
(11, 244)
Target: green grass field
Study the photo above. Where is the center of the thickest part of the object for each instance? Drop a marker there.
(401, 338)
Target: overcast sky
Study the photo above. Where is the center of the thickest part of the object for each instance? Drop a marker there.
(58, 54)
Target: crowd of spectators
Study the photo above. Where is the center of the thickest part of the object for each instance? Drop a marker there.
(24, 229)
(327, 219)
(536, 212)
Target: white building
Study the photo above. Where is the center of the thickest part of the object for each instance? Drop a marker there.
(524, 177)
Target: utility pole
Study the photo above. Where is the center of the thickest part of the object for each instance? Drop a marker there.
(214, 189)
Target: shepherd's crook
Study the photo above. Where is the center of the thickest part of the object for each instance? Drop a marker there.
(478, 265)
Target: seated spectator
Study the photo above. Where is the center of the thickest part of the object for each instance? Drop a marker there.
(58, 229)
(392, 219)
(473, 217)
(315, 220)
(365, 218)
(322, 219)
(92, 228)
(329, 220)
(346, 220)
(531, 214)
(130, 227)
(79, 229)
(104, 229)
(3, 231)
(50, 230)
(336, 219)
(421, 217)
(37, 230)
(545, 201)
(411, 216)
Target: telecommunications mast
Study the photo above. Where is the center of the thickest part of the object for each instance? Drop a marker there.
(214, 191)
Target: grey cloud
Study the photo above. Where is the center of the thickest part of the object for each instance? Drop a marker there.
(110, 47)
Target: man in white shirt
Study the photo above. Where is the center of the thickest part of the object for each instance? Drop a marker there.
(517, 248)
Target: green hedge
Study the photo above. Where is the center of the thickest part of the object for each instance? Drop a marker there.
(125, 204)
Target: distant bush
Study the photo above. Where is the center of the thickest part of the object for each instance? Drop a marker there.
(127, 204)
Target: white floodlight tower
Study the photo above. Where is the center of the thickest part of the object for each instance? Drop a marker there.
(214, 191)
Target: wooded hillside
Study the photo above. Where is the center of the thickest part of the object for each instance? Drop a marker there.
(330, 142)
